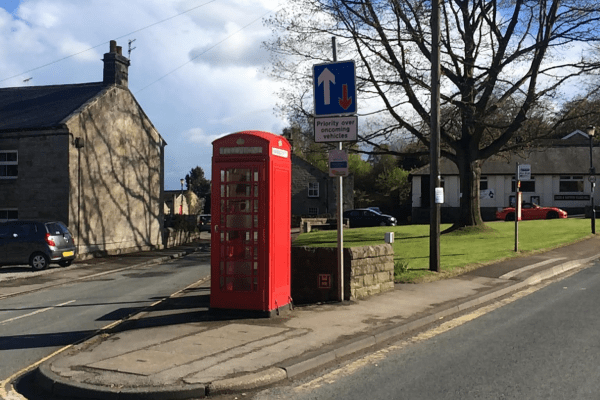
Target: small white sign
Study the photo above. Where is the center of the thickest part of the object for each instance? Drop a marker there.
(486, 194)
(338, 163)
(524, 172)
(279, 152)
(439, 195)
(336, 129)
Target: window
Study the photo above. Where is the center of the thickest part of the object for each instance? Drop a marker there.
(483, 183)
(526, 186)
(569, 184)
(313, 189)
(313, 211)
(9, 164)
(9, 214)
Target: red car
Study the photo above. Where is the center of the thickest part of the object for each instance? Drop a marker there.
(531, 211)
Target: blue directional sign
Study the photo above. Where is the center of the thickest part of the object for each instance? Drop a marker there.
(334, 88)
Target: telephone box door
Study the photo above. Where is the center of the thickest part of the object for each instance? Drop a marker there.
(237, 237)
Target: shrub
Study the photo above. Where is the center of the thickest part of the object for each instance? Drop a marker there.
(400, 267)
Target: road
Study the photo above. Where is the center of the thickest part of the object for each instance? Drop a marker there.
(35, 325)
(540, 344)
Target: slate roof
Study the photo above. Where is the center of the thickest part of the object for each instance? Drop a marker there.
(42, 107)
(550, 161)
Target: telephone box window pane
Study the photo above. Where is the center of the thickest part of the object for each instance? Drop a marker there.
(255, 284)
(255, 206)
(255, 256)
(248, 255)
(255, 176)
(238, 190)
(255, 190)
(239, 221)
(238, 175)
(222, 237)
(255, 267)
(256, 221)
(242, 284)
(222, 176)
(255, 236)
(222, 190)
(242, 268)
(247, 236)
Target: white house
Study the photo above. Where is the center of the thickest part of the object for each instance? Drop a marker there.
(559, 178)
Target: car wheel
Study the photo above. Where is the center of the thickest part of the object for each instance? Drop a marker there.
(65, 263)
(552, 215)
(39, 261)
(510, 217)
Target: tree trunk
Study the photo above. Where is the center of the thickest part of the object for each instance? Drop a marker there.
(469, 173)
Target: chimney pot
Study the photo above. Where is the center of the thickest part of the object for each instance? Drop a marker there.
(116, 66)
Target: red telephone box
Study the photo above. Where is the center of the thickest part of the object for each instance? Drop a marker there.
(251, 221)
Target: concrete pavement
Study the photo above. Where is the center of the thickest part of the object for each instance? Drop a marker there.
(178, 350)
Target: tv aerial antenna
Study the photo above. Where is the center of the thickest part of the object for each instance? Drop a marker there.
(131, 48)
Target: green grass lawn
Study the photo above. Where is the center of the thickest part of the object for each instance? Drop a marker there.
(460, 251)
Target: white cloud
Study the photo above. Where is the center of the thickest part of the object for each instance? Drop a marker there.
(197, 135)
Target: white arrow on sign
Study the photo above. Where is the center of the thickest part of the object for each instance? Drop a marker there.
(326, 77)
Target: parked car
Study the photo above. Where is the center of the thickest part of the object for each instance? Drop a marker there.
(531, 211)
(204, 222)
(367, 217)
(36, 243)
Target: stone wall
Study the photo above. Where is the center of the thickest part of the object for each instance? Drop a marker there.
(372, 270)
(41, 189)
(368, 270)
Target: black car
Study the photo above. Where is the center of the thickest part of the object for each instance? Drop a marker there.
(368, 217)
(36, 243)
(203, 222)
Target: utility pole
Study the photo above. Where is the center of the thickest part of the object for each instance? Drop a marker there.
(434, 181)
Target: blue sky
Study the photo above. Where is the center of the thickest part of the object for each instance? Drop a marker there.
(197, 76)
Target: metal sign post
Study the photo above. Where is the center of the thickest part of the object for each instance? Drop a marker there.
(334, 88)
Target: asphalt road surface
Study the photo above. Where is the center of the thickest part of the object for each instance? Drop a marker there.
(35, 325)
(542, 344)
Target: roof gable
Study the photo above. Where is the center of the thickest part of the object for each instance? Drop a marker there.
(43, 107)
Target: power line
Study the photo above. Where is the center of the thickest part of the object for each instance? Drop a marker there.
(104, 43)
(207, 50)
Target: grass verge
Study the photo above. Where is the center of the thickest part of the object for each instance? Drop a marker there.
(461, 250)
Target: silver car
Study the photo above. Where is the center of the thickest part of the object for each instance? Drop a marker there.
(36, 243)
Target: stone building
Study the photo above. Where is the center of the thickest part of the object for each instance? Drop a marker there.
(85, 154)
(314, 192)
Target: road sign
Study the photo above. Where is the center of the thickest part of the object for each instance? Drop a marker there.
(334, 88)
(524, 172)
(338, 163)
(336, 129)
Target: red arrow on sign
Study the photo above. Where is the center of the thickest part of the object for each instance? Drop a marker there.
(345, 102)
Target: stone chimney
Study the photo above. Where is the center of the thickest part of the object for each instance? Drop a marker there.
(116, 66)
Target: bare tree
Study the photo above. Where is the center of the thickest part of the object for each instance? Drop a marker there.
(497, 55)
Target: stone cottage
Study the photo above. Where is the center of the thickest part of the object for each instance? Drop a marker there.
(85, 154)
(314, 192)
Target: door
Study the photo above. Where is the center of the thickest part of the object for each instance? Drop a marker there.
(240, 238)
